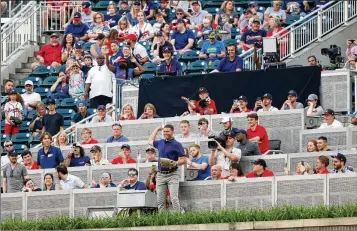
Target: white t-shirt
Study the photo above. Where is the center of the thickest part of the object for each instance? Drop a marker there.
(225, 162)
(101, 80)
(180, 136)
(270, 109)
(87, 19)
(335, 124)
(31, 99)
(139, 51)
(72, 182)
(271, 12)
(13, 109)
(145, 31)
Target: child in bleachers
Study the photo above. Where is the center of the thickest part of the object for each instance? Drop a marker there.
(111, 19)
(205, 30)
(76, 80)
(225, 33)
(164, 9)
(159, 21)
(13, 113)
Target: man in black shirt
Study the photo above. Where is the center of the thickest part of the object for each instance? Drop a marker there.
(53, 121)
(159, 46)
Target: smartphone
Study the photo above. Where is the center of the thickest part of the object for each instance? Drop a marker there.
(235, 102)
(153, 167)
(302, 163)
(258, 98)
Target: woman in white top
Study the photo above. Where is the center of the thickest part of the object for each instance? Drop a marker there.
(275, 10)
(143, 30)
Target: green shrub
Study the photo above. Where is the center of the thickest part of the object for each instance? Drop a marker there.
(273, 214)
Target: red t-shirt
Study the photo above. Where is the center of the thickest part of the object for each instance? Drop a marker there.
(325, 171)
(266, 173)
(34, 166)
(202, 111)
(51, 54)
(264, 140)
(130, 118)
(92, 141)
(238, 111)
(119, 160)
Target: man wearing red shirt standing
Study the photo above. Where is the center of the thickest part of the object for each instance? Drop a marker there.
(29, 163)
(240, 105)
(321, 165)
(257, 133)
(260, 169)
(124, 156)
(50, 54)
(205, 105)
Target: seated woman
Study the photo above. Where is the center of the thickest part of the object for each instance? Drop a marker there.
(127, 113)
(36, 123)
(105, 181)
(60, 89)
(149, 112)
(76, 157)
(29, 186)
(61, 140)
(49, 184)
(312, 146)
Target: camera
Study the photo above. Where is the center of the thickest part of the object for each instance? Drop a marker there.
(334, 53)
(258, 45)
(221, 139)
(16, 120)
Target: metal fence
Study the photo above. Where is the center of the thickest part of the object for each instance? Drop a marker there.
(256, 193)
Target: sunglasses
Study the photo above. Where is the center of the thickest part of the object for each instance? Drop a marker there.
(136, 4)
(9, 145)
(12, 173)
(132, 174)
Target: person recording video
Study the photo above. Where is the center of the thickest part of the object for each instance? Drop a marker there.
(205, 105)
(224, 152)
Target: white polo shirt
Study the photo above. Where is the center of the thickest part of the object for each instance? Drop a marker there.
(335, 124)
(270, 109)
(31, 99)
(101, 80)
(72, 182)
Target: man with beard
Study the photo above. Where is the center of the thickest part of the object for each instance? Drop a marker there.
(168, 174)
(31, 98)
(100, 84)
(138, 50)
(248, 148)
(50, 54)
(291, 103)
(265, 103)
(339, 164)
(68, 181)
(199, 161)
(14, 174)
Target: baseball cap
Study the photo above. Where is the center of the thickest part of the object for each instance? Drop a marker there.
(180, 20)
(137, 2)
(78, 45)
(238, 130)
(101, 107)
(82, 103)
(122, 60)
(256, 20)
(77, 16)
(340, 156)
(212, 35)
(150, 149)
(354, 115)
(54, 35)
(267, 95)
(86, 6)
(253, 4)
(202, 90)
(125, 146)
(329, 112)
(243, 97)
(124, 1)
(312, 97)
(51, 101)
(12, 92)
(76, 145)
(131, 37)
(226, 119)
(195, 2)
(12, 153)
(95, 148)
(28, 82)
(260, 162)
(292, 93)
(248, 11)
(167, 49)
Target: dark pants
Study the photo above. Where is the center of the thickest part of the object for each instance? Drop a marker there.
(100, 100)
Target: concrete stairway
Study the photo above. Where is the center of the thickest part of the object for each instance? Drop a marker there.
(23, 71)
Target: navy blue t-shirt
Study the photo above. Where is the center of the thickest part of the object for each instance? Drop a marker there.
(181, 40)
(38, 124)
(137, 186)
(77, 30)
(78, 117)
(51, 159)
(113, 58)
(78, 162)
(228, 66)
(173, 67)
(251, 37)
(112, 19)
(53, 123)
(171, 149)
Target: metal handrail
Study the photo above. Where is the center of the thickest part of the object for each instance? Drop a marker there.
(18, 14)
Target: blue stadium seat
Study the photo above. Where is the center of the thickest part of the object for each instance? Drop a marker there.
(215, 4)
(2, 126)
(42, 91)
(3, 138)
(20, 148)
(91, 110)
(66, 124)
(150, 67)
(86, 46)
(230, 41)
(65, 112)
(190, 56)
(102, 5)
(200, 44)
(147, 76)
(24, 126)
(212, 10)
(21, 138)
(30, 115)
(146, 44)
(212, 65)
(183, 66)
(41, 71)
(58, 70)
(68, 103)
(20, 90)
(235, 32)
(49, 81)
(37, 81)
(197, 66)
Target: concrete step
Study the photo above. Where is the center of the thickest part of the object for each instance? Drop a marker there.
(18, 76)
(26, 65)
(32, 59)
(23, 70)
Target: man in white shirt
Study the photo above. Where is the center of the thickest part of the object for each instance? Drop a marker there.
(185, 131)
(31, 99)
(138, 50)
(68, 181)
(265, 103)
(330, 121)
(100, 83)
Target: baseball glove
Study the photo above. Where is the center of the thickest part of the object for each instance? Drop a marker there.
(167, 163)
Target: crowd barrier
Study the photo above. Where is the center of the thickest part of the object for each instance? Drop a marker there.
(256, 193)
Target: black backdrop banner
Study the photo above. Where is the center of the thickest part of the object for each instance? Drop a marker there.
(223, 88)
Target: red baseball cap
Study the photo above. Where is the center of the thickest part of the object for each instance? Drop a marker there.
(131, 37)
(122, 60)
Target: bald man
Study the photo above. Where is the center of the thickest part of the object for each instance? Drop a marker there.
(216, 172)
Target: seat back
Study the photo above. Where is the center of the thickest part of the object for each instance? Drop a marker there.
(150, 67)
(274, 144)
